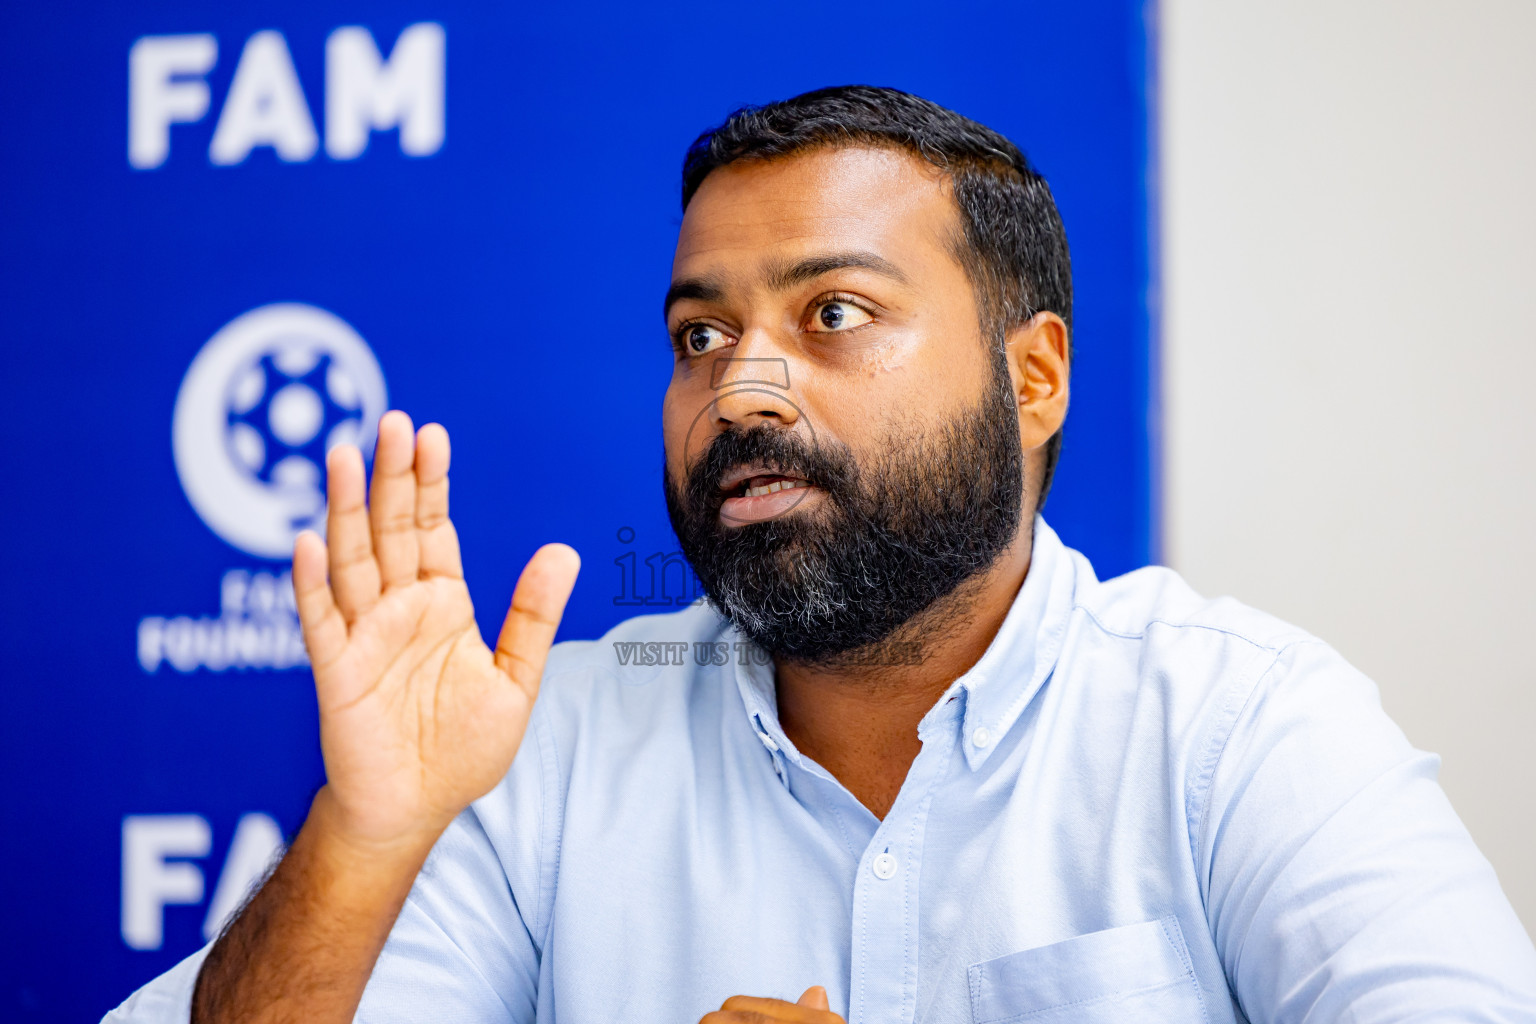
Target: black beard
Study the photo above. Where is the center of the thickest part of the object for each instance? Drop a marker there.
(834, 585)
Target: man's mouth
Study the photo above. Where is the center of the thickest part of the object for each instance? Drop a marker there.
(756, 479)
(761, 485)
(748, 492)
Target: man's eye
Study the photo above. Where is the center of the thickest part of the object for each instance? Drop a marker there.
(838, 316)
(698, 339)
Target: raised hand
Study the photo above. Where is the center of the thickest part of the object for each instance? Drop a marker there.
(418, 717)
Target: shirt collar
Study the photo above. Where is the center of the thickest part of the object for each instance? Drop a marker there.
(1014, 667)
(995, 690)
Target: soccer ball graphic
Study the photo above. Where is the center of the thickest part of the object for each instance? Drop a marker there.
(286, 411)
(262, 403)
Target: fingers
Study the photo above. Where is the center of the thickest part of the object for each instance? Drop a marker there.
(392, 503)
(354, 573)
(325, 631)
(399, 531)
(749, 1008)
(435, 535)
(537, 605)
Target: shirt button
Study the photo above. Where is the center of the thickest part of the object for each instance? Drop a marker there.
(884, 866)
(981, 736)
(768, 741)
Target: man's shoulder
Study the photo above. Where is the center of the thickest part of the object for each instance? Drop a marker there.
(1202, 655)
(620, 705)
(647, 673)
(1213, 666)
(1156, 603)
(639, 648)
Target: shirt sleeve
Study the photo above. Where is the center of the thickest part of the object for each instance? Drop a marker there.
(461, 948)
(1340, 884)
(464, 946)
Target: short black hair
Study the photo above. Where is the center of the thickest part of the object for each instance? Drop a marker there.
(1014, 247)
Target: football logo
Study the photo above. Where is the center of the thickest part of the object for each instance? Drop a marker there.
(261, 404)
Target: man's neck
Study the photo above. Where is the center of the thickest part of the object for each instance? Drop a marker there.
(859, 722)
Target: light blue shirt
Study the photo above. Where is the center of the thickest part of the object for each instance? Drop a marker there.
(1139, 806)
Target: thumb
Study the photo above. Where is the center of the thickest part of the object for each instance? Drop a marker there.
(537, 604)
(814, 998)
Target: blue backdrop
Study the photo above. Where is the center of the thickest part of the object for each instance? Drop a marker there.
(494, 256)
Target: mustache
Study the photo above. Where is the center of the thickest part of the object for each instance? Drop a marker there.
(830, 467)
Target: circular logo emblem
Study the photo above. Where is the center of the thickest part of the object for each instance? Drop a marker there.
(261, 404)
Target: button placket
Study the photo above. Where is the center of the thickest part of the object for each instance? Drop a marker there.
(883, 986)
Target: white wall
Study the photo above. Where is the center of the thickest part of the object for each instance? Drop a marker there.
(1349, 357)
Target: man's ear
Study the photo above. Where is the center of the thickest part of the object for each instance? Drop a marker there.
(1038, 365)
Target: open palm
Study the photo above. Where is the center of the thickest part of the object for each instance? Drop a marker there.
(418, 717)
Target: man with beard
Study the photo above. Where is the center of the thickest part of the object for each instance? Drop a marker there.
(928, 766)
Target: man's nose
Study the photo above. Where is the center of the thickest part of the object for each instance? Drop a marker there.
(750, 390)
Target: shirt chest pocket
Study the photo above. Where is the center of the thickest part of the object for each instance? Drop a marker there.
(1137, 972)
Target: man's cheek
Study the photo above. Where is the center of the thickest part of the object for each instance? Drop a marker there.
(672, 443)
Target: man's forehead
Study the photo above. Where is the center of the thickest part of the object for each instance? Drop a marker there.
(768, 213)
